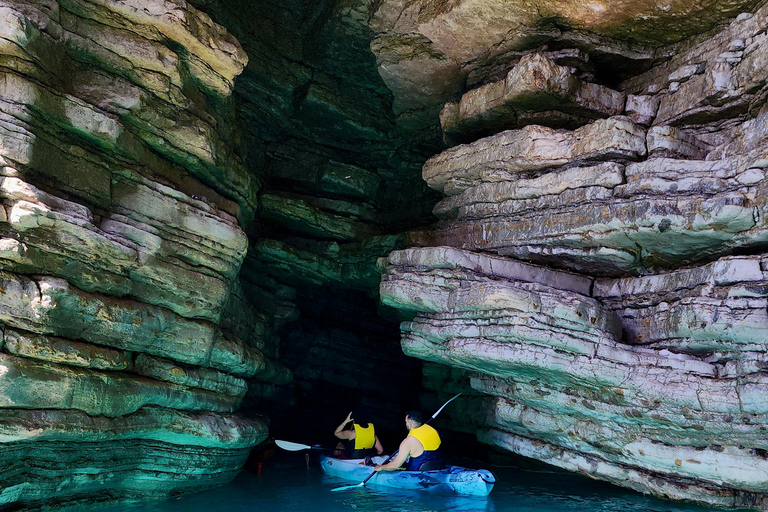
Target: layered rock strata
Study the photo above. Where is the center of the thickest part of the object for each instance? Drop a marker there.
(635, 351)
(571, 392)
(124, 201)
(663, 190)
(426, 51)
(535, 83)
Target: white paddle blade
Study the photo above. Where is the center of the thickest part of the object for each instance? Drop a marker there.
(292, 447)
(347, 487)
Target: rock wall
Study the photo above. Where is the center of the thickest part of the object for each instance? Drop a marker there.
(340, 184)
(128, 342)
(596, 277)
(599, 266)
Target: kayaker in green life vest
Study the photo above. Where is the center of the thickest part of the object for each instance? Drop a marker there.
(422, 446)
(358, 442)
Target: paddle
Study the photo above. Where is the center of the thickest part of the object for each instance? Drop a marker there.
(362, 484)
(295, 447)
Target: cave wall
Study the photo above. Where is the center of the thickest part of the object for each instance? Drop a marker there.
(124, 207)
(200, 199)
(598, 269)
(341, 182)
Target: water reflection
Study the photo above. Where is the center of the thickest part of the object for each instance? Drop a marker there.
(287, 485)
(392, 500)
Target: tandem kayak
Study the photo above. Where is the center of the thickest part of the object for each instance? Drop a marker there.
(451, 480)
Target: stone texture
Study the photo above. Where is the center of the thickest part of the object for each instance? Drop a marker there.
(144, 454)
(130, 191)
(671, 142)
(49, 305)
(605, 175)
(571, 390)
(642, 108)
(661, 213)
(478, 35)
(534, 84)
(533, 149)
(60, 350)
(402, 56)
(212, 380)
(34, 385)
(651, 373)
(124, 207)
(619, 475)
(155, 247)
(322, 220)
(708, 82)
(711, 308)
(149, 101)
(352, 265)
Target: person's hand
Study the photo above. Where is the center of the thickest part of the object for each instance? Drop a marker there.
(378, 467)
(349, 417)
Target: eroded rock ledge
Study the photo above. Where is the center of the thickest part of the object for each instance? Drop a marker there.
(600, 273)
(572, 392)
(124, 202)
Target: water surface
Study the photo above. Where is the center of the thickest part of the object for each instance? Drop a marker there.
(288, 485)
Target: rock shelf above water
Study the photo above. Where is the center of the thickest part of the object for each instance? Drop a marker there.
(597, 211)
(641, 361)
(551, 347)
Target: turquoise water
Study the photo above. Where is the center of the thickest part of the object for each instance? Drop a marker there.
(287, 485)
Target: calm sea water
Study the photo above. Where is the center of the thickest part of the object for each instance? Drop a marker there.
(288, 485)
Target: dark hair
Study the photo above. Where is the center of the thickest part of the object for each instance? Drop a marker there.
(360, 417)
(416, 417)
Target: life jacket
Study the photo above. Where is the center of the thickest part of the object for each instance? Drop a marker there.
(363, 444)
(427, 436)
(365, 437)
(430, 441)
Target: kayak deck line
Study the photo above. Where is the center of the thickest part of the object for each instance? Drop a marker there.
(451, 480)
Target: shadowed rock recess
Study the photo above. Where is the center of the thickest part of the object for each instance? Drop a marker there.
(215, 214)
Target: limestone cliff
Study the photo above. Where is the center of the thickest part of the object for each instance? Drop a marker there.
(569, 198)
(124, 202)
(599, 266)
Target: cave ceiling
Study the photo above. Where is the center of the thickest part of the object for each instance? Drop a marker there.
(339, 103)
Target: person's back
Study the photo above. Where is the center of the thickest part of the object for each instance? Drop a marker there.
(358, 442)
(422, 445)
(431, 456)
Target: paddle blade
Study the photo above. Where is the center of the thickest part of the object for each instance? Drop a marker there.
(347, 487)
(292, 447)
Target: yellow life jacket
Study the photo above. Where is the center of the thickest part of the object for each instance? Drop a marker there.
(364, 437)
(427, 436)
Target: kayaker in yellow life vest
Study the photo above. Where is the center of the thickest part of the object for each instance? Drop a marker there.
(358, 442)
(422, 446)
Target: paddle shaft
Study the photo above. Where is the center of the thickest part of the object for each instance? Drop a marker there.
(397, 451)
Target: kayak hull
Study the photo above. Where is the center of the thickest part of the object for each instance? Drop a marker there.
(451, 480)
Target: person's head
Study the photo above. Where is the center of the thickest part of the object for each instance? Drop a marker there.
(360, 417)
(414, 419)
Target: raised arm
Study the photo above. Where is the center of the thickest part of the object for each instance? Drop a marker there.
(345, 434)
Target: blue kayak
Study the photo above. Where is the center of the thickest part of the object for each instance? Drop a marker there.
(451, 480)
